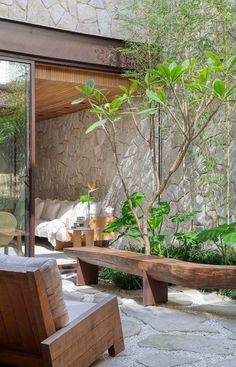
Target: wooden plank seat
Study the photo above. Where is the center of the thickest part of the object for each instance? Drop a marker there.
(156, 271)
(28, 335)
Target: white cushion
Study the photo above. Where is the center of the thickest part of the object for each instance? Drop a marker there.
(51, 279)
(41, 228)
(39, 205)
(65, 210)
(51, 209)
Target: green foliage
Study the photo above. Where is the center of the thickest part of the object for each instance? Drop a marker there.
(121, 279)
(87, 199)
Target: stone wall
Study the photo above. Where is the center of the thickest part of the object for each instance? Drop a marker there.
(68, 158)
(96, 17)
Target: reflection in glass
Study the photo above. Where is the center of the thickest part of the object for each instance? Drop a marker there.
(14, 181)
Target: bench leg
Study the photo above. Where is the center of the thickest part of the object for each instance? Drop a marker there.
(154, 291)
(86, 273)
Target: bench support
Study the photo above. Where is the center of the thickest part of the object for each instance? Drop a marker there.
(154, 291)
(86, 273)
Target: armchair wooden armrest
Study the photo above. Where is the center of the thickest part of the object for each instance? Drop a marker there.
(86, 338)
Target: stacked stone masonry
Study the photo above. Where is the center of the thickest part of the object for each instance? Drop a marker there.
(96, 17)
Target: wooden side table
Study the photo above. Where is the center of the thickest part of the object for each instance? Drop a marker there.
(77, 236)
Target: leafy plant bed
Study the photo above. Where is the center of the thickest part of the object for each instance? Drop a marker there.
(195, 255)
(121, 279)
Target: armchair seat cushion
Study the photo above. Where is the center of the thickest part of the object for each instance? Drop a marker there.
(51, 279)
(75, 308)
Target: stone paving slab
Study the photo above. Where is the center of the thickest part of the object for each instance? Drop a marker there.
(223, 309)
(191, 343)
(229, 325)
(225, 363)
(179, 333)
(162, 319)
(155, 359)
(130, 327)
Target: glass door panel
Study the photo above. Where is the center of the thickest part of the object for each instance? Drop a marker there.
(15, 102)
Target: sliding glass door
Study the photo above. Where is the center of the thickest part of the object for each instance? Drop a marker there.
(15, 157)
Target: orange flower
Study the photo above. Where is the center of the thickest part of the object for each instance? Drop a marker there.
(91, 186)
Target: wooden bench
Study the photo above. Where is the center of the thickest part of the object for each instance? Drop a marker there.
(156, 271)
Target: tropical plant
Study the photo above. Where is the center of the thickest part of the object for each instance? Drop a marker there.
(189, 94)
(172, 30)
(223, 236)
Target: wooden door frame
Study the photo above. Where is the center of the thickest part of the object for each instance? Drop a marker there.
(30, 43)
(30, 241)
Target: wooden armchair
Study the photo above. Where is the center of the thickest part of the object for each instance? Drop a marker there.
(28, 335)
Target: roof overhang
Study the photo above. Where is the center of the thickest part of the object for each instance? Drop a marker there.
(59, 46)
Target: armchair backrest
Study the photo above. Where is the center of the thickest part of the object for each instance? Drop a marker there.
(7, 227)
(28, 307)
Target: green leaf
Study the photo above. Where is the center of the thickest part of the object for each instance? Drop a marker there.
(230, 62)
(133, 87)
(190, 85)
(148, 111)
(128, 220)
(113, 226)
(182, 217)
(219, 88)
(124, 89)
(163, 208)
(203, 77)
(78, 100)
(213, 59)
(230, 92)
(116, 103)
(177, 72)
(136, 199)
(187, 237)
(77, 87)
(96, 125)
(164, 72)
(86, 198)
(154, 222)
(157, 239)
(158, 97)
(230, 239)
(91, 83)
(134, 233)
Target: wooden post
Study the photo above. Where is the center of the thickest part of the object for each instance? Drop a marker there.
(154, 291)
(86, 273)
(77, 240)
(89, 238)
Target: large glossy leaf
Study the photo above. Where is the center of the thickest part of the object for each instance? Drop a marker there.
(230, 239)
(96, 125)
(136, 199)
(134, 233)
(113, 226)
(154, 222)
(163, 208)
(157, 239)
